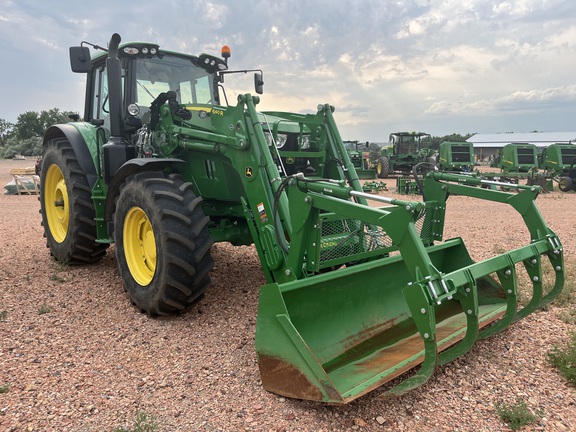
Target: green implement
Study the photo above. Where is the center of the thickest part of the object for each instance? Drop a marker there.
(336, 336)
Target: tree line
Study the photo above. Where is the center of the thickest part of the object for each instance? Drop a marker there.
(25, 136)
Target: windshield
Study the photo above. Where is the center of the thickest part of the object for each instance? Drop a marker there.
(407, 144)
(192, 84)
(350, 145)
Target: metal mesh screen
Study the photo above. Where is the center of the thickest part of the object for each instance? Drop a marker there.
(460, 154)
(567, 155)
(347, 237)
(525, 156)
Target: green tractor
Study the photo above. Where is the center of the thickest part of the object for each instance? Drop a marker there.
(359, 154)
(405, 150)
(163, 166)
(456, 156)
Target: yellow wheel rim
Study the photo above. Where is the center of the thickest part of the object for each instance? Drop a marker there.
(139, 246)
(55, 198)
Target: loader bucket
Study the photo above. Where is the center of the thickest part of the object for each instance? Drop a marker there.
(336, 336)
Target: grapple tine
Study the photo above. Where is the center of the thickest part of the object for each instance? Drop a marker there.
(557, 262)
(468, 299)
(507, 279)
(424, 373)
(533, 266)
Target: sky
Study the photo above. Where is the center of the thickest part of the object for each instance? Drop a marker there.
(438, 66)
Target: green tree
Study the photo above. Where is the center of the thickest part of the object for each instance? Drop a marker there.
(53, 116)
(25, 136)
(28, 125)
(27, 147)
(437, 140)
(5, 131)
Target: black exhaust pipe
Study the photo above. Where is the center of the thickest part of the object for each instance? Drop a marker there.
(118, 149)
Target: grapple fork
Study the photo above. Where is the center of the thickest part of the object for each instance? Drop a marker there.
(401, 302)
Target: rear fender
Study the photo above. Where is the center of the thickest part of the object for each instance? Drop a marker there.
(129, 168)
(82, 138)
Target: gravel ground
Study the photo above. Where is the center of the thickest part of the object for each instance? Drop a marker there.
(76, 356)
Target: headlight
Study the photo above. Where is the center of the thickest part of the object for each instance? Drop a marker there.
(269, 139)
(278, 142)
(133, 110)
(281, 140)
(305, 143)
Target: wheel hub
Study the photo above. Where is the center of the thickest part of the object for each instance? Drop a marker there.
(56, 203)
(139, 246)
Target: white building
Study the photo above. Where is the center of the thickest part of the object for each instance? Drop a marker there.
(487, 145)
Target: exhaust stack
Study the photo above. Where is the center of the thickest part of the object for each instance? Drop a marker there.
(118, 149)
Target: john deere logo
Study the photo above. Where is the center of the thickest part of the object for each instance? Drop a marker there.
(249, 172)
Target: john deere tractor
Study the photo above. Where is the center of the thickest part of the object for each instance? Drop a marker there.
(163, 165)
(405, 150)
(359, 154)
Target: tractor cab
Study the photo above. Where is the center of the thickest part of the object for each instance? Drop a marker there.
(146, 72)
(407, 143)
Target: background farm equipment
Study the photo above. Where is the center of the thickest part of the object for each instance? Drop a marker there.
(374, 186)
(556, 159)
(516, 158)
(407, 185)
(405, 150)
(356, 295)
(359, 154)
(456, 156)
(519, 161)
(567, 182)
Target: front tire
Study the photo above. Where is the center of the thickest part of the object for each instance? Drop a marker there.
(66, 206)
(162, 243)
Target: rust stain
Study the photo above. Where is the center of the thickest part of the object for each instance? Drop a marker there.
(391, 356)
(284, 379)
(383, 352)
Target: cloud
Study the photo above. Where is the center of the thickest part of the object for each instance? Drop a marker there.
(379, 63)
(519, 102)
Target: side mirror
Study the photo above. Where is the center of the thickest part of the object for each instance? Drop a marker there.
(80, 59)
(258, 83)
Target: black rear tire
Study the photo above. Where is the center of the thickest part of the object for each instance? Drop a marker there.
(66, 206)
(383, 167)
(162, 243)
(565, 184)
